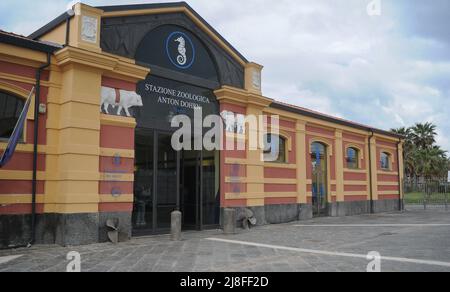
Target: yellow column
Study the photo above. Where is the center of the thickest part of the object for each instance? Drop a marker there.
(367, 167)
(373, 167)
(73, 142)
(339, 167)
(255, 167)
(300, 142)
(53, 136)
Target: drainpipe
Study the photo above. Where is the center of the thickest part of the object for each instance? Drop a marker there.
(35, 148)
(70, 12)
(400, 208)
(370, 173)
(67, 32)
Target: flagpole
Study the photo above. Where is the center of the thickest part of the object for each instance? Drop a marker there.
(14, 138)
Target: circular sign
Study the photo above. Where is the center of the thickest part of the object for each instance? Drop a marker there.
(116, 192)
(117, 160)
(180, 50)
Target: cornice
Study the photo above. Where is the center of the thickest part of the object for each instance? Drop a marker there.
(105, 62)
(240, 96)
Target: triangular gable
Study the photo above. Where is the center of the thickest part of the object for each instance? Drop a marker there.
(176, 7)
(124, 29)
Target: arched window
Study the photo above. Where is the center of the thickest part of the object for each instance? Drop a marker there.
(275, 149)
(319, 167)
(352, 158)
(385, 161)
(10, 109)
(318, 150)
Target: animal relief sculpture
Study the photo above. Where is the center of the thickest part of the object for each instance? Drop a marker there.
(122, 99)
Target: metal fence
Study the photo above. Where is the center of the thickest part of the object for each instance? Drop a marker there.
(429, 195)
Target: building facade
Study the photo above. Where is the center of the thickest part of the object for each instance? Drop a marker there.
(111, 80)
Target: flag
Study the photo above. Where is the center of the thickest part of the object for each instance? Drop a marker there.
(14, 139)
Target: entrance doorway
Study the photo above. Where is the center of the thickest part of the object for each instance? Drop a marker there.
(167, 180)
(320, 179)
(200, 201)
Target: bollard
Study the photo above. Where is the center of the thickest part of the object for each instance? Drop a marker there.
(175, 226)
(229, 221)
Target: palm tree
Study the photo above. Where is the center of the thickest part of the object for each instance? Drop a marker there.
(422, 158)
(423, 135)
(431, 162)
(402, 131)
(408, 150)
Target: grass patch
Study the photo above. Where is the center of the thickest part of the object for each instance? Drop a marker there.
(418, 198)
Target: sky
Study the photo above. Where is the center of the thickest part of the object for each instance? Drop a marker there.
(387, 70)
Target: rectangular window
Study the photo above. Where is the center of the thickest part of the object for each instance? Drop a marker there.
(275, 150)
(385, 161)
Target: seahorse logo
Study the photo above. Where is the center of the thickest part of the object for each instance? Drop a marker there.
(180, 50)
(181, 58)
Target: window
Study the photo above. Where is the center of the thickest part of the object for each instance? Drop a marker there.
(275, 149)
(318, 153)
(385, 161)
(10, 109)
(352, 158)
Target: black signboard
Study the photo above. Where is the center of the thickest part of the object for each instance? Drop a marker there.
(163, 99)
(152, 41)
(175, 48)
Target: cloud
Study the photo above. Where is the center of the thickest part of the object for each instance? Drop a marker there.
(387, 71)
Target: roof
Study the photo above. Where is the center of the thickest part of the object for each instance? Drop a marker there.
(25, 42)
(51, 25)
(66, 15)
(172, 5)
(279, 105)
(328, 118)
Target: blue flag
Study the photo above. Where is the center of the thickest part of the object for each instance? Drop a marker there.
(14, 139)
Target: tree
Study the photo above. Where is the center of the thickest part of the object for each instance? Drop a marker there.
(422, 158)
(431, 162)
(423, 135)
(408, 150)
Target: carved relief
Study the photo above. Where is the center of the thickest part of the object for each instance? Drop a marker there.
(256, 80)
(122, 99)
(89, 29)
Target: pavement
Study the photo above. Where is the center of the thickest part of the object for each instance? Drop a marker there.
(411, 241)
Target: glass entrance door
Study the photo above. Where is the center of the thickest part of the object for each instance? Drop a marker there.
(320, 179)
(200, 198)
(167, 180)
(144, 182)
(189, 189)
(210, 213)
(156, 182)
(166, 183)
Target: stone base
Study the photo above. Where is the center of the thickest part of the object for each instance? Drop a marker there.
(14, 230)
(305, 212)
(277, 214)
(80, 229)
(341, 209)
(61, 229)
(387, 206)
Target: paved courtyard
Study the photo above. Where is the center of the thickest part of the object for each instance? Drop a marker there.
(411, 241)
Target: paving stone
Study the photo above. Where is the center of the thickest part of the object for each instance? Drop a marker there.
(196, 253)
